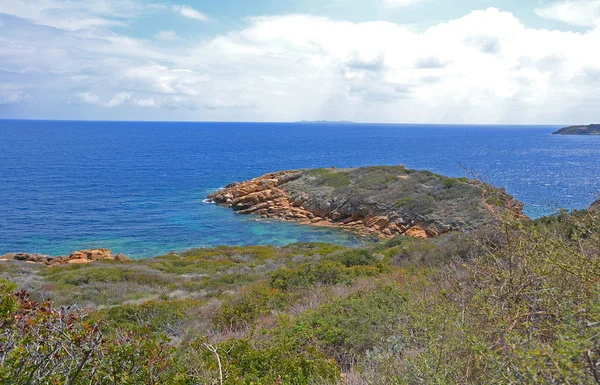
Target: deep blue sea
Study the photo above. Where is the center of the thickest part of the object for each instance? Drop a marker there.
(138, 188)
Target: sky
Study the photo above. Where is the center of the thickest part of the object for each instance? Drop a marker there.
(388, 61)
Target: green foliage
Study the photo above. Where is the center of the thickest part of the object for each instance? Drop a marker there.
(244, 309)
(246, 362)
(404, 201)
(40, 344)
(495, 201)
(346, 328)
(510, 305)
(324, 272)
(320, 171)
(357, 257)
(156, 316)
(313, 248)
(334, 180)
(78, 275)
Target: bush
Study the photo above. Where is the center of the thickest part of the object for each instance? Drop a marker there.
(251, 303)
(334, 180)
(161, 317)
(358, 257)
(325, 272)
(244, 361)
(347, 328)
(405, 201)
(41, 344)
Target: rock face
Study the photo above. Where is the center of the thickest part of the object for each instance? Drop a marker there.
(592, 129)
(77, 257)
(383, 201)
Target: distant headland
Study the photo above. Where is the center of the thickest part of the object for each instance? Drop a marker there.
(592, 129)
(384, 201)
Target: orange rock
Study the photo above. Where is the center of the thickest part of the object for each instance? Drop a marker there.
(77, 257)
(416, 232)
(265, 197)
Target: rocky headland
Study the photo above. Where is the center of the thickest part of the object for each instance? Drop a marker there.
(592, 129)
(76, 257)
(384, 201)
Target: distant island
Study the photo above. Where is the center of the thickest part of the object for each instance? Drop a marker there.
(326, 122)
(592, 129)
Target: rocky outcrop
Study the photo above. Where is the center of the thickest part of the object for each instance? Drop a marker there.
(592, 129)
(382, 201)
(77, 257)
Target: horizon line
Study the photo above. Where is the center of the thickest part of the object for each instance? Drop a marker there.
(339, 122)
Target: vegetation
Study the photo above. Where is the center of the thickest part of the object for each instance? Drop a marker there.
(431, 200)
(514, 304)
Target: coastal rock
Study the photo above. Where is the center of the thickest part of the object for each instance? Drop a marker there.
(381, 201)
(77, 257)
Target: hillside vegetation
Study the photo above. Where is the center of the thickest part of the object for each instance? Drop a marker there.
(513, 304)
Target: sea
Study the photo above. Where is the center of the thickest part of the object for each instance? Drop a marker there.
(139, 188)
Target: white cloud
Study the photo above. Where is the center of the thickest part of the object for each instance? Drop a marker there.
(583, 13)
(485, 67)
(9, 97)
(82, 98)
(163, 80)
(119, 99)
(190, 12)
(77, 15)
(146, 103)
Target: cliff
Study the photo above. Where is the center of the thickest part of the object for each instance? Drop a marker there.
(384, 201)
(592, 129)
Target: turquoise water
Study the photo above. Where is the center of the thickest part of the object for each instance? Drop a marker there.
(138, 188)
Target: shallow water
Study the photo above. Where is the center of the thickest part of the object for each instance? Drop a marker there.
(138, 188)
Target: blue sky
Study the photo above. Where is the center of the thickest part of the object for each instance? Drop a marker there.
(423, 61)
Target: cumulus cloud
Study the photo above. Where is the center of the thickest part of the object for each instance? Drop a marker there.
(161, 79)
(190, 12)
(9, 97)
(82, 98)
(119, 99)
(583, 13)
(485, 67)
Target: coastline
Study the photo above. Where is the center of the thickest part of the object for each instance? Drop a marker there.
(331, 198)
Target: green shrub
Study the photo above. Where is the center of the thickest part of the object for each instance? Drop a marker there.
(348, 327)
(405, 201)
(79, 275)
(358, 257)
(320, 171)
(45, 345)
(334, 179)
(158, 316)
(325, 272)
(247, 306)
(246, 362)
